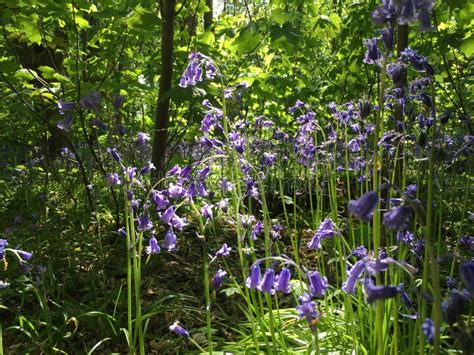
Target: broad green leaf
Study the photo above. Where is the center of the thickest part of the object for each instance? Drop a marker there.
(467, 46)
(279, 16)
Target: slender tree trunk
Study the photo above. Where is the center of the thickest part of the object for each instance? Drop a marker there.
(208, 15)
(160, 135)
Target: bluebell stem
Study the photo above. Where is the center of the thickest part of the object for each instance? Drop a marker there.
(307, 308)
(223, 251)
(254, 279)
(317, 284)
(282, 281)
(178, 330)
(364, 207)
(170, 240)
(218, 278)
(428, 329)
(153, 247)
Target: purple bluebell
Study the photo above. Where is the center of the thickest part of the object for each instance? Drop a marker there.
(159, 199)
(282, 281)
(122, 232)
(114, 179)
(179, 330)
(64, 106)
(246, 220)
(114, 154)
(275, 232)
(118, 101)
(397, 218)
(147, 168)
(134, 205)
(254, 278)
(257, 230)
(3, 244)
(307, 308)
(3, 285)
(373, 54)
(65, 123)
(91, 101)
(388, 38)
(176, 191)
(410, 191)
(223, 251)
(359, 252)
(170, 240)
(467, 241)
(450, 282)
(397, 73)
(206, 211)
(353, 145)
(364, 207)
(378, 293)
(298, 104)
(237, 141)
(178, 222)
(223, 205)
(418, 62)
(142, 138)
(131, 172)
(25, 255)
(405, 237)
(204, 172)
(218, 278)
(25, 267)
(153, 247)
(404, 297)
(466, 271)
(425, 99)
(326, 230)
(353, 276)
(268, 159)
(267, 282)
(317, 284)
(454, 305)
(144, 223)
(428, 329)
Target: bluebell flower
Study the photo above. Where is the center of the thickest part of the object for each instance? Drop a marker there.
(114, 179)
(159, 200)
(325, 230)
(307, 308)
(419, 62)
(397, 218)
(144, 223)
(450, 282)
(65, 123)
(170, 240)
(178, 330)
(64, 106)
(267, 282)
(153, 247)
(268, 159)
(142, 138)
(178, 222)
(466, 271)
(275, 232)
(360, 252)
(364, 207)
(428, 329)
(25, 255)
(298, 104)
(118, 101)
(378, 293)
(282, 281)
(388, 38)
(353, 276)
(254, 278)
(317, 284)
(176, 191)
(132, 172)
(397, 73)
(206, 211)
(405, 237)
(373, 54)
(454, 305)
(147, 168)
(91, 101)
(194, 71)
(218, 278)
(223, 251)
(122, 232)
(257, 230)
(3, 244)
(114, 154)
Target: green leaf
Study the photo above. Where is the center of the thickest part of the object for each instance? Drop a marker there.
(467, 46)
(207, 37)
(279, 16)
(82, 22)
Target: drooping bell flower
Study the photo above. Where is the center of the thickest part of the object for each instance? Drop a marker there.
(307, 308)
(257, 230)
(3, 244)
(206, 211)
(64, 106)
(153, 247)
(178, 222)
(378, 293)
(91, 101)
(466, 271)
(179, 330)
(122, 232)
(223, 251)
(397, 72)
(266, 284)
(419, 62)
(131, 172)
(325, 230)
(25, 255)
(142, 138)
(373, 54)
(317, 284)
(298, 104)
(118, 101)
(282, 281)
(364, 207)
(114, 154)
(176, 191)
(65, 123)
(170, 240)
(353, 276)
(454, 305)
(147, 168)
(144, 223)
(388, 38)
(397, 218)
(254, 278)
(159, 200)
(359, 252)
(218, 278)
(428, 329)
(114, 179)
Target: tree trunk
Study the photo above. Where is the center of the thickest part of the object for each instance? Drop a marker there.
(208, 15)
(160, 135)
